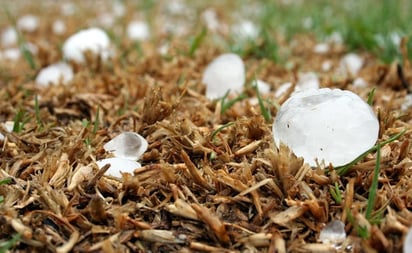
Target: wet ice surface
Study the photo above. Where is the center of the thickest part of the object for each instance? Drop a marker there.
(94, 40)
(54, 74)
(407, 244)
(118, 166)
(331, 125)
(224, 73)
(127, 145)
(333, 233)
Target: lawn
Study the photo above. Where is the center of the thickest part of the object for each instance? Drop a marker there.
(212, 178)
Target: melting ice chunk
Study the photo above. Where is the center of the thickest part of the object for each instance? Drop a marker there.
(331, 125)
(407, 245)
(55, 73)
(224, 73)
(94, 40)
(118, 166)
(333, 233)
(138, 30)
(127, 145)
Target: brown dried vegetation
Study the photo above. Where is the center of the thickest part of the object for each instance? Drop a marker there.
(232, 192)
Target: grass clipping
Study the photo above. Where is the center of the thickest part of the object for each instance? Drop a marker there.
(212, 179)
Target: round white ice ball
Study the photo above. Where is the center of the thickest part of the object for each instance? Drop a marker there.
(331, 125)
(224, 73)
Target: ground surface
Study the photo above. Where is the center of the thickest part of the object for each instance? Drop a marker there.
(202, 187)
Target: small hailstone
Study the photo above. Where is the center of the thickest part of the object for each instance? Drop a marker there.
(67, 8)
(351, 64)
(138, 30)
(118, 166)
(307, 22)
(321, 48)
(333, 233)
(54, 74)
(331, 125)
(407, 244)
(407, 102)
(282, 89)
(360, 82)
(307, 81)
(10, 54)
(210, 18)
(28, 23)
(224, 73)
(326, 65)
(9, 37)
(106, 19)
(58, 27)
(92, 39)
(245, 29)
(335, 37)
(118, 8)
(9, 128)
(262, 86)
(127, 145)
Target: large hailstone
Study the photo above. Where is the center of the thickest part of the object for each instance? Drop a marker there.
(331, 125)
(224, 73)
(92, 39)
(54, 74)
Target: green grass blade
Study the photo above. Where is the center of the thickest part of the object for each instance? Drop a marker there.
(96, 121)
(370, 96)
(342, 170)
(230, 103)
(197, 41)
(5, 246)
(263, 109)
(374, 185)
(214, 133)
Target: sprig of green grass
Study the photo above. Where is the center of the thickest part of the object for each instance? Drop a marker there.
(37, 112)
(5, 246)
(27, 55)
(371, 94)
(4, 181)
(225, 105)
(342, 170)
(265, 111)
(197, 41)
(96, 121)
(336, 194)
(20, 120)
(374, 185)
(214, 133)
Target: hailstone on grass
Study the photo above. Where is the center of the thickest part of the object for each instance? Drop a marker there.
(118, 166)
(54, 74)
(407, 244)
(138, 30)
(9, 37)
(326, 124)
(127, 145)
(225, 73)
(8, 125)
(333, 233)
(93, 39)
(351, 64)
(28, 23)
